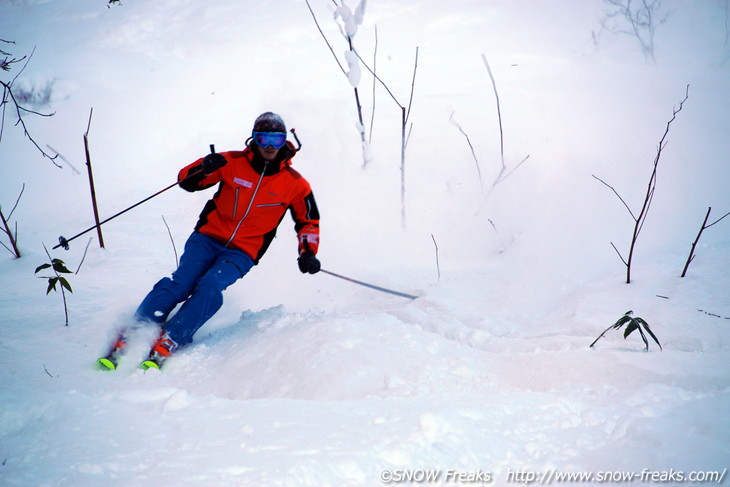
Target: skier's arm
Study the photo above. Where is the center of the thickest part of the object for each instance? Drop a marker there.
(193, 178)
(306, 222)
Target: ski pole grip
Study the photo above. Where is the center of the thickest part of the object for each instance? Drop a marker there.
(212, 148)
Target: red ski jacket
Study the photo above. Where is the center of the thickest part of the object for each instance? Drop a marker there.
(252, 199)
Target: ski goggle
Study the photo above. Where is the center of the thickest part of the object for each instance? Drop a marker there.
(273, 139)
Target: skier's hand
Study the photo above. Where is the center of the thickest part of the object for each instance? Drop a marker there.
(308, 262)
(213, 161)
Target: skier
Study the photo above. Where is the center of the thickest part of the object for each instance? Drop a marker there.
(255, 188)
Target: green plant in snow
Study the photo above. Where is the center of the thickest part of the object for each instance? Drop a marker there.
(58, 267)
(633, 324)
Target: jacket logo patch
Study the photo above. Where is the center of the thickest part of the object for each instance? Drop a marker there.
(243, 182)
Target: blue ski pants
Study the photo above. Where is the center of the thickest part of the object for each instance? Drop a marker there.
(207, 267)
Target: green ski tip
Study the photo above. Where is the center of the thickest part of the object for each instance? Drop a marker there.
(149, 364)
(106, 364)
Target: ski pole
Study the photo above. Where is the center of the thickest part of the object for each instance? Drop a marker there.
(63, 242)
(371, 286)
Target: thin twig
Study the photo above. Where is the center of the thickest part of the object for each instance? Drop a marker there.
(17, 200)
(408, 137)
(619, 254)
(49, 374)
(496, 232)
(8, 91)
(499, 111)
(377, 78)
(325, 38)
(718, 220)
(438, 267)
(25, 65)
(617, 195)
(375, 84)
(471, 147)
(703, 227)
(8, 248)
(60, 156)
(83, 257)
(13, 238)
(88, 126)
(501, 177)
(413, 83)
(177, 263)
(714, 315)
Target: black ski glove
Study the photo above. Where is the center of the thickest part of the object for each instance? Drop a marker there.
(308, 263)
(213, 161)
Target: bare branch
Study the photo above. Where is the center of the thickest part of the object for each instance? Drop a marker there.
(496, 232)
(19, 109)
(17, 200)
(619, 254)
(640, 219)
(60, 156)
(413, 83)
(408, 137)
(83, 257)
(375, 84)
(325, 38)
(46, 369)
(502, 176)
(617, 195)
(699, 234)
(471, 147)
(7, 248)
(169, 233)
(12, 237)
(378, 78)
(499, 111)
(88, 126)
(438, 267)
(718, 220)
(92, 187)
(641, 18)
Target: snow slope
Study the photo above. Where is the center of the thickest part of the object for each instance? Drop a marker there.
(487, 377)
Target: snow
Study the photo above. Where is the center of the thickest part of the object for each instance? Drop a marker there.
(350, 21)
(315, 381)
(353, 63)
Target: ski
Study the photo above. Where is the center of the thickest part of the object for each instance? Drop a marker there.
(161, 350)
(111, 360)
(151, 363)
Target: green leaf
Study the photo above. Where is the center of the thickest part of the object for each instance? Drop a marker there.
(643, 337)
(41, 267)
(65, 284)
(51, 284)
(621, 322)
(642, 322)
(651, 333)
(629, 329)
(59, 266)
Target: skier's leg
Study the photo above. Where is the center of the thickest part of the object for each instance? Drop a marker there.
(200, 252)
(207, 296)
